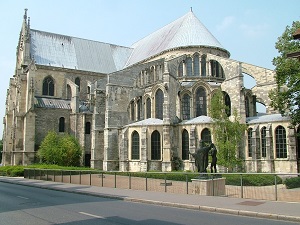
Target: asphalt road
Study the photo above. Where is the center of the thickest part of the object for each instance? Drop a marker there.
(22, 205)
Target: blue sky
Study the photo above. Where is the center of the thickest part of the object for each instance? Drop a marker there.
(247, 29)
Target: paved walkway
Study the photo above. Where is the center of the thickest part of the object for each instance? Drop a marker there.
(288, 211)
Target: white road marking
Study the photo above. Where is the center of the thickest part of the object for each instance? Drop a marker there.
(91, 215)
(22, 197)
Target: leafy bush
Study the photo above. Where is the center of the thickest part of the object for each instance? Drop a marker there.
(60, 150)
(293, 182)
(252, 179)
(12, 171)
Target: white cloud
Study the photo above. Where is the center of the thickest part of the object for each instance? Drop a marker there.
(226, 23)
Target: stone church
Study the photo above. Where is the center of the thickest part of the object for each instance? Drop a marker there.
(135, 108)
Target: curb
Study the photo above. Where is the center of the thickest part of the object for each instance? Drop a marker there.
(169, 204)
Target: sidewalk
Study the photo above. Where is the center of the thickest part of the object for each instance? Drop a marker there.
(287, 211)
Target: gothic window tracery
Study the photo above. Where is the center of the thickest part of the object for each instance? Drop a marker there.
(186, 114)
(249, 134)
(189, 66)
(201, 102)
(196, 65)
(155, 146)
(48, 86)
(185, 145)
(263, 142)
(281, 149)
(159, 101)
(135, 145)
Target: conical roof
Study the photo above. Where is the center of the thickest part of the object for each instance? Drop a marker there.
(183, 32)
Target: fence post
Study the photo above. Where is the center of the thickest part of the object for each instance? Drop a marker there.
(129, 180)
(213, 185)
(275, 181)
(70, 176)
(187, 184)
(62, 176)
(242, 191)
(79, 176)
(34, 174)
(54, 175)
(165, 182)
(47, 175)
(29, 171)
(102, 179)
(146, 181)
(115, 180)
(90, 178)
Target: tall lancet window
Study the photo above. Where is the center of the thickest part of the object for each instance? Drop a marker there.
(186, 112)
(201, 102)
(196, 65)
(159, 103)
(48, 86)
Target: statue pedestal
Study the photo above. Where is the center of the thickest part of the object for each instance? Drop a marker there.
(209, 187)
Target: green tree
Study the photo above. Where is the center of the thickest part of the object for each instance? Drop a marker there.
(60, 150)
(286, 97)
(228, 133)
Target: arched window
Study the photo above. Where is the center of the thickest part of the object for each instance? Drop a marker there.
(216, 69)
(280, 135)
(201, 102)
(155, 146)
(159, 102)
(247, 109)
(189, 66)
(132, 111)
(185, 145)
(203, 66)
(61, 125)
(139, 109)
(77, 82)
(206, 136)
(227, 103)
(148, 108)
(250, 142)
(69, 92)
(196, 65)
(48, 86)
(263, 142)
(186, 114)
(135, 145)
(87, 128)
(180, 69)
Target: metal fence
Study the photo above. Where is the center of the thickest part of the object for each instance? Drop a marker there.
(234, 185)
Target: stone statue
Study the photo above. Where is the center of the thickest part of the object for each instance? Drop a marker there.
(213, 153)
(201, 157)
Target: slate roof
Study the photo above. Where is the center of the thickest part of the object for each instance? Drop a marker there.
(75, 53)
(40, 102)
(147, 122)
(266, 119)
(197, 120)
(57, 50)
(183, 32)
